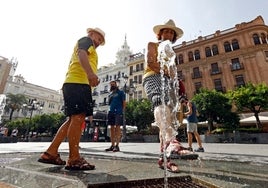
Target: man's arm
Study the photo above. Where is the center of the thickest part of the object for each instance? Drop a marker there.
(92, 77)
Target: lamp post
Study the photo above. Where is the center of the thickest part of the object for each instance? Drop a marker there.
(32, 106)
(124, 137)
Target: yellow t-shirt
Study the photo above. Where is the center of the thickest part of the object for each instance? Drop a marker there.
(76, 73)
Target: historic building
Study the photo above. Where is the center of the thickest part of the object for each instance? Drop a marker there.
(226, 59)
(7, 68)
(40, 99)
(127, 71)
(117, 71)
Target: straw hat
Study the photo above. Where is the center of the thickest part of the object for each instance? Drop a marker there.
(170, 24)
(98, 30)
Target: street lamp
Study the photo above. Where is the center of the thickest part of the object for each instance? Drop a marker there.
(31, 106)
(124, 138)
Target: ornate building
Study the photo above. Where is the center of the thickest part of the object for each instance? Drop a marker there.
(117, 71)
(226, 59)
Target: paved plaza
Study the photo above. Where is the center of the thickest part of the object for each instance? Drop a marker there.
(221, 165)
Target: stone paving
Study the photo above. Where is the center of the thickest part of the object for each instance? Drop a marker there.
(221, 165)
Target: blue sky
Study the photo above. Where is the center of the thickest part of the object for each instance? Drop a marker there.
(41, 33)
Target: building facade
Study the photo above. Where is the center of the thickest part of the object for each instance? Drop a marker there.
(226, 59)
(117, 71)
(49, 101)
(7, 68)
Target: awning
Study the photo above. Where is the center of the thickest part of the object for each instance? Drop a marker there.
(252, 119)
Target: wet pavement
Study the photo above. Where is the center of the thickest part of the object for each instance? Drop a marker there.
(221, 165)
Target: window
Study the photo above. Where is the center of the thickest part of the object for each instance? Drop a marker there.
(137, 67)
(266, 54)
(130, 70)
(214, 68)
(198, 86)
(235, 65)
(196, 55)
(190, 56)
(227, 47)
(263, 39)
(181, 59)
(140, 79)
(196, 73)
(235, 44)
(208, 52)
(142, 68)
(256, 39)
(218, 85)
(239, 80)
(215, 50)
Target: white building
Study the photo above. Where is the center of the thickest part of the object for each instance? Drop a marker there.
(111, 72)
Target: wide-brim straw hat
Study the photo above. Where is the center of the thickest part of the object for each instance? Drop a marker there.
(170, 24)
(98, 30)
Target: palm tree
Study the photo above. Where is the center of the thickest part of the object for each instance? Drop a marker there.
(14, 102)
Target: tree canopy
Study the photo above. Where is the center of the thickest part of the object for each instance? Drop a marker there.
(251, 97)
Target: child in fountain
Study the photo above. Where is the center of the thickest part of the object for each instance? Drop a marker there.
(156, 78)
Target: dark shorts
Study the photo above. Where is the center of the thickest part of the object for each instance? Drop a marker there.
(77, 99)
(115, 119)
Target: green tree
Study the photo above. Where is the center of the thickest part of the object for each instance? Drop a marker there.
(45, 123)
(14, 102)
(251, 97)
(214, 106)
(139, 113)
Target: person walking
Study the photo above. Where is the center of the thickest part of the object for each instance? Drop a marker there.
(78, 103)
(192, 121)
(117, 102)
(152, 83)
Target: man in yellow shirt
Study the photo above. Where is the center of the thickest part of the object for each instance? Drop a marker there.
(78, 103)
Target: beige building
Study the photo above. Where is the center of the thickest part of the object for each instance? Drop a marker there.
(49, 101)
(7, 68)
(226, 59)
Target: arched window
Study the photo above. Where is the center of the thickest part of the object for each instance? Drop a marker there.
(235, 44)
(263, 39)
(215, 50)
(208, 52)
(190, 56)
(180, 57)
(256, 39)
(196, 54)
(227, 47)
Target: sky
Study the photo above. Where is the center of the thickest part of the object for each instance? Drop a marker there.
(41, 34)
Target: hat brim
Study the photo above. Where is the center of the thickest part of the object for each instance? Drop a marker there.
(91, 29)
(177, 30)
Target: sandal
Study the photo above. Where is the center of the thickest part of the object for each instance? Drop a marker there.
(161, 163)
(172, 167)
(79, 164)
(49, 159)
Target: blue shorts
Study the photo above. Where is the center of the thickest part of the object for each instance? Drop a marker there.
(115, 119)
(77, 99)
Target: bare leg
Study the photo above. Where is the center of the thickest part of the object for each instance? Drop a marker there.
(74, 135)
(112, 132)
(197, 137)
(58, 139)
(190, 139)
(117, 134)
